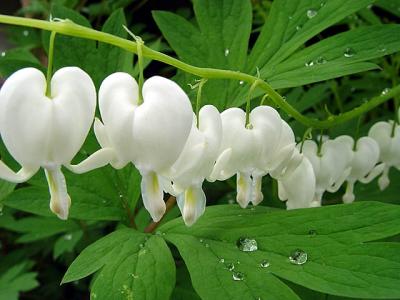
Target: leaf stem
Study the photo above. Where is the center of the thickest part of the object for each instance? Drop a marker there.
(69, 28)
(50, 64)
(248, 102)
(198, 100)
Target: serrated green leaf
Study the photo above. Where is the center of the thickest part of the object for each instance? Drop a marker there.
(133, 265)
(16, 279)
(340, 262)
(220, 40)
(336, 56)
(98, 61)
(288, 27)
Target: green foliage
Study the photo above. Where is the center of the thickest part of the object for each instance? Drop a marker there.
(132, 265)
(17, 279)
(294, 45)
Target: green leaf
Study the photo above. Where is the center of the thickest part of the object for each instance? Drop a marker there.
(336, 56)
(220, 40)
(98, 62)
(37, 228)
(15, 280)
(66, 243)
(288, 27)
(95, 196)
(131, 264)
(340, 261)
(391, 6)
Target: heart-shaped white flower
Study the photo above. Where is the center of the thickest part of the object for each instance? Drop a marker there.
(331, 165)
(243, 150)
(47, 132)
(297, 184)
(389, 146)
(363, 165)
(151, 135)
(196, 163)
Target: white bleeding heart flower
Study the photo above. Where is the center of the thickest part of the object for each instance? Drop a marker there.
(297, 185)
(196, 163)
(243, 150)
(389, 147)
(151, 135)
(47, 132)
(363, 165)
(331, 165)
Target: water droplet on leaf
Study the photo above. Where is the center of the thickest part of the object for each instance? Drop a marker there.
(25, 33)
(221, 260)
(246, 244)
(237, 276)
(264, 263)
(68, 237)
(298, 257)
(385, 91)
(3, 54)
(309, 63)
(321, 60)
(241, 82)
(298, 27)
(230, 266)
(311, 13)
(312, 232)
(226, 53)
(349, 52)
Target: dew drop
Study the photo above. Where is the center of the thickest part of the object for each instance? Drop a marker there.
(230, 266)
(309, 63)
(246, 244)
(298, 257)
(238, 276)
(93, 295)
(349, 52)
(120, 195)
(221, 260)
(264, 263)
(68, 237)
(3, 54)
(312, 232)
(298, 27)
(25, 33)
(323, 3)
(382, 49)
(321, 60)
(207, 245)
(385, 91)
(201, 240)
(241, 82)
(311, 13)
(226, 53)
(141, 246)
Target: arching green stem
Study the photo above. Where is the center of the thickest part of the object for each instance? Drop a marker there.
(71, 29)
(198, 100)
(306, 136)
(50, 64)
(248, 102)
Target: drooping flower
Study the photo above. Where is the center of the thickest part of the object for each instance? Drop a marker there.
(389, 146)
(47, 132)
(196, 163)
(363, 165)
(330, 165)
(243, 148)
(151, 135)
(297, 184)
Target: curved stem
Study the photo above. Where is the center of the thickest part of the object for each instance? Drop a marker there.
(69, 28)
(198, 100)
(248, 102)
(50, 64)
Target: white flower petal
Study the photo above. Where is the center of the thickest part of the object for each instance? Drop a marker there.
(192, 204)
(97, 160)
(60, 201)
(118, 100)
(22, 175)
(152, 195)
(244, 189)
(161, 124)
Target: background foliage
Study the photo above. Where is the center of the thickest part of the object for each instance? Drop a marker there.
(324, 56)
